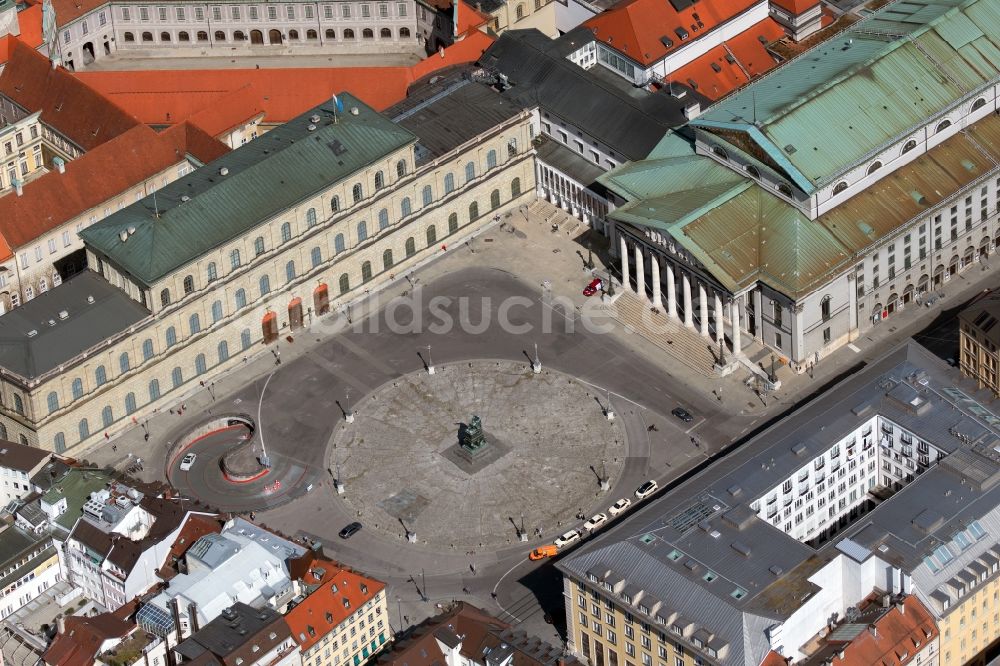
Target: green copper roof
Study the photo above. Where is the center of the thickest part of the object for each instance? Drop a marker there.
(265, 177)
(830, 108)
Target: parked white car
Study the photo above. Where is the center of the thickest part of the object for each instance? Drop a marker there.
(595, 522)
(566, 539)
(620, 507)
(646, 489)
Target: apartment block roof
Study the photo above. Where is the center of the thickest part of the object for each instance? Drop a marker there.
(70, 106)
(742, 233)
(629, 120)
(983, 315)
(867, 88)
(221, 202)
(701, 557)
(84, 636)
(239, 634)
(646, 31)
(61, 323)
(21, 457)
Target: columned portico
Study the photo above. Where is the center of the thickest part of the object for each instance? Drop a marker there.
(703, 307)
(688, 314)
(623, 253)
(735, 318)
(654, 266)
(671, 293)
(640, 272)
(720, 323)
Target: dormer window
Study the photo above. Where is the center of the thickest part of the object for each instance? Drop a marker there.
(875, 166)
(943, 125)
(909, 145)
(839, 187)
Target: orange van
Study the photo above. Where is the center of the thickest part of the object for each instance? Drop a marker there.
(542, 552)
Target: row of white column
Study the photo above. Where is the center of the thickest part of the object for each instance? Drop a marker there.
(732, 306)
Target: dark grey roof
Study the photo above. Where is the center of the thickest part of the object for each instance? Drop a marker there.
(984, 315)
(572, 164)
(34, 338)
(21, 457)
(206, 209)
(237, 631)
(628, 119)
(447, 111)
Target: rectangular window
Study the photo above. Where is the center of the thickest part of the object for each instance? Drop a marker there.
(86, 28)
(290, 12)
(65, 238)
(366, 11)
(216, 13)
(327, 11)
(345, 11)
(179, 12)
(126, 14)
(401, 9)
(253, 14)
(102, 19)
(777, 340)
(234, 13)
(52, 246)
(199, 14)
(272, 13)
(161, 12)
(66, 37)
(309, 12)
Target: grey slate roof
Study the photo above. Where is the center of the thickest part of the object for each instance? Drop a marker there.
(21, 457)
(265, 177)
(630, 120)
(705, 524)
(984, 315)
(55, 340)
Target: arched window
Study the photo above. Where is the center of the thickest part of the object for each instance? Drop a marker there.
(177, 377)
(348, 33)
(387, 260)
(77, 388)
(494, 199)
(165, 37)
(223, 351)
(512, 147)
(311, 35)
(147, 36)
(367, 33)
(875, 166)
(171, 336)
(129, 402)
(194, 323)
(411, 247)
(330, 34)
(123, 363)
(100, 376)
(107, 416)
(356, 192)
(19, 403)
(784, 189)
(383, 219)
(515, 188)
(379, 180)
(362, 231)
(335, 204)
(720, 152)
(943, 125)
(316, 255)
(909, 145)
(154, 390)
(202, 36)
(183, 37)
(311, 218)
(241, 298)
(519, 12)
(824, 308)
(473, 211)
(978, 104)
(165, 298)
(211, 272)
(293, 35)
(258, 246)
(239, 36)
(286, 232)
(405, 207)
(366, 271)
(470, 171)
(59, 442)
(265, 285)
(453, 223)
(53, 400)
(188, 284)
(752, 171)
(385, 33)
(290, 271)
(234, 259)
(840, 187)
(431, 235)
(220, 36)
(491, 159)
(449, 183)
(84, 429)
(404, 33)
(428, 195)
(43, 285)
(129, 37)
(245, 339)
(338, 244)
(345, 283)
(3, 431)
(400, 168)
(147, 349)
(216, 311)
(199, 364)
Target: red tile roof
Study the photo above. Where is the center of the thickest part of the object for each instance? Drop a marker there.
(467, 50)
(796, 6)
(230, 111)
(97, 176)
(69, 10)
(772, 658)
(81, 640)
(324, 608)
(750, 60)
(29, 21)
(69, 105)
(634, 27)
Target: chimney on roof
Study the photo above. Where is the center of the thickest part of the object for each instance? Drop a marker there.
(873, 630)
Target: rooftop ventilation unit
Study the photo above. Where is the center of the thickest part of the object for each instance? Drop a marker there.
(63, 314)
(32, 333)
(224, 171)
(185, 198)
(123, 234)
(311, 128)
(314, 118)
(90, 299)
(354, 111)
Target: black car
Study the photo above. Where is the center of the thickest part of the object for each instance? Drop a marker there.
(350, 530)
(682, 414)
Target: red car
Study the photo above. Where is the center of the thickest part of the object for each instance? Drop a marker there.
(597, 284)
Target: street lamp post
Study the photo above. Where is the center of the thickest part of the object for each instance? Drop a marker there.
(609, 412)
(348, 412)
(605, 481)
(536, 365)
(399, 607)
(430, 361)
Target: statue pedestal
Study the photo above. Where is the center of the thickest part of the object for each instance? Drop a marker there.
(340, 487)
(523, 537)
(411, 536)
(536, 368)
(605, 484)
(349, 417)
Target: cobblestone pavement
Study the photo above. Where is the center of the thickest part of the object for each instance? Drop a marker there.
(546, 443)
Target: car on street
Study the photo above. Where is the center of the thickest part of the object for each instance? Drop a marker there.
(595, 521)
(566, 539)
(542, 552)
(596, 285)
(620, 507)
(187, 462)
(350, 530)
(646, 489)
(682, 414)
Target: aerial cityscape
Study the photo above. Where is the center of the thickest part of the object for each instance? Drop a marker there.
(500, 333)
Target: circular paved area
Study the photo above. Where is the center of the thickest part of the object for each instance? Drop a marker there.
(403, 470)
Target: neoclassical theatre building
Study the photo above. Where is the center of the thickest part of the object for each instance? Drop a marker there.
(823, 198)
(267, 238)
